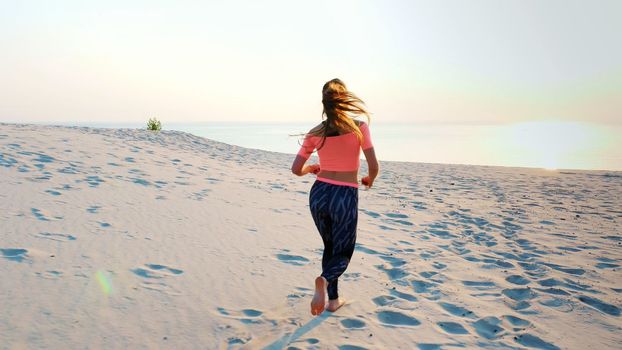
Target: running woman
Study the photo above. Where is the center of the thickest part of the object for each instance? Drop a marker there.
(333, 198)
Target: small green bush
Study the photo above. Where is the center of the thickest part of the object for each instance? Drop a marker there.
(154, 124)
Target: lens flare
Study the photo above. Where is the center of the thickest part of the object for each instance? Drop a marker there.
(105, 282)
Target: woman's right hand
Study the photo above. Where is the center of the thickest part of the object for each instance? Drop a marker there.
(312, 169)
(367, 181)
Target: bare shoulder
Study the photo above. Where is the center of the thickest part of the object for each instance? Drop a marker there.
(316, 129)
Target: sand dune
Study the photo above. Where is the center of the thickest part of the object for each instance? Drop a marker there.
(119, 238)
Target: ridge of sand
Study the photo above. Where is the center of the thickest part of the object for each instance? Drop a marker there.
(121, 238)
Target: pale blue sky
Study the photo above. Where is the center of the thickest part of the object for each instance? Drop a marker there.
(444, 61)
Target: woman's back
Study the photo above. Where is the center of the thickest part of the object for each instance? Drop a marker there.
(337, 152)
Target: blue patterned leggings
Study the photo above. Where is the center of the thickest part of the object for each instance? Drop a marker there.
(335, 212)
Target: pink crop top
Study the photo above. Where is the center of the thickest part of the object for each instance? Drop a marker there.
(339, 153)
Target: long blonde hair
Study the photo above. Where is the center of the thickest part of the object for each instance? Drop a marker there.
(340, 108)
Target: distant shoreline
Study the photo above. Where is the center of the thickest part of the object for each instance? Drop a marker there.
(259, 136)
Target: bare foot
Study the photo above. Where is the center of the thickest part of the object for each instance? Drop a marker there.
(318, 303)
(335, 304)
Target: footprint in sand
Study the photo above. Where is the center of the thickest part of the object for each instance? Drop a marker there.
(295, 260)
(50, 275)
(40, 157)
(600, 305)
(362, 248)
(353, 323)
(452, 328)
(428, 274)
(94, 209)
(301, 292)
(568, 270)
(393, 273)
(140, 181)
(457, 310)
(46, 175)
(423, 286)
(200, 195)
(7, 162)
(350, 276)
(479, 285)
(371, 213)
(59, 237)
(14, 254)
(137, 172)
(70, 170)
(569, 249)
(93, 181)
(246, 316)
(43, 216)
(146, 273)
(21, 168)
(519, 294)
(439, 266)
(547, 222)
(251, 316)
(53, 192)
(394, 261)
(442, 234)
(238, 341)
(154, 275)
(394, 318)
(164, 269)
(252, 313)
(606, 263)
(532, 341)
(384, 300)
(396, 215)
(518, 323)
(350, 347)
(401, 295)
(535, 270)
(553, 291)
(396, 218)
(489, 327)
(493, 263)
(519, 280)
(156, 271)
(606, 266)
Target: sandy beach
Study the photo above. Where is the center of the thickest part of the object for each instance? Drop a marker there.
(126, 238)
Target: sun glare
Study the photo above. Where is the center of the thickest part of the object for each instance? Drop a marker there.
(554, 145)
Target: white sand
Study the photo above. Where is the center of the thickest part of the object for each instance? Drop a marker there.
(131, 239)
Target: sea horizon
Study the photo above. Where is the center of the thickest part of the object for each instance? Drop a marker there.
(549, 145)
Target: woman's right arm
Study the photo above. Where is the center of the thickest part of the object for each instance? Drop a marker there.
(372, 166)
(370, 156)
(298, 166)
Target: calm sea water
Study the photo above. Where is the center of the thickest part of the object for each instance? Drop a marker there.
(551, 145)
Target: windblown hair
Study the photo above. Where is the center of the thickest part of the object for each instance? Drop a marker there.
(340, 108)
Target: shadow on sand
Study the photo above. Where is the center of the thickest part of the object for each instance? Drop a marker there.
(292, 337)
